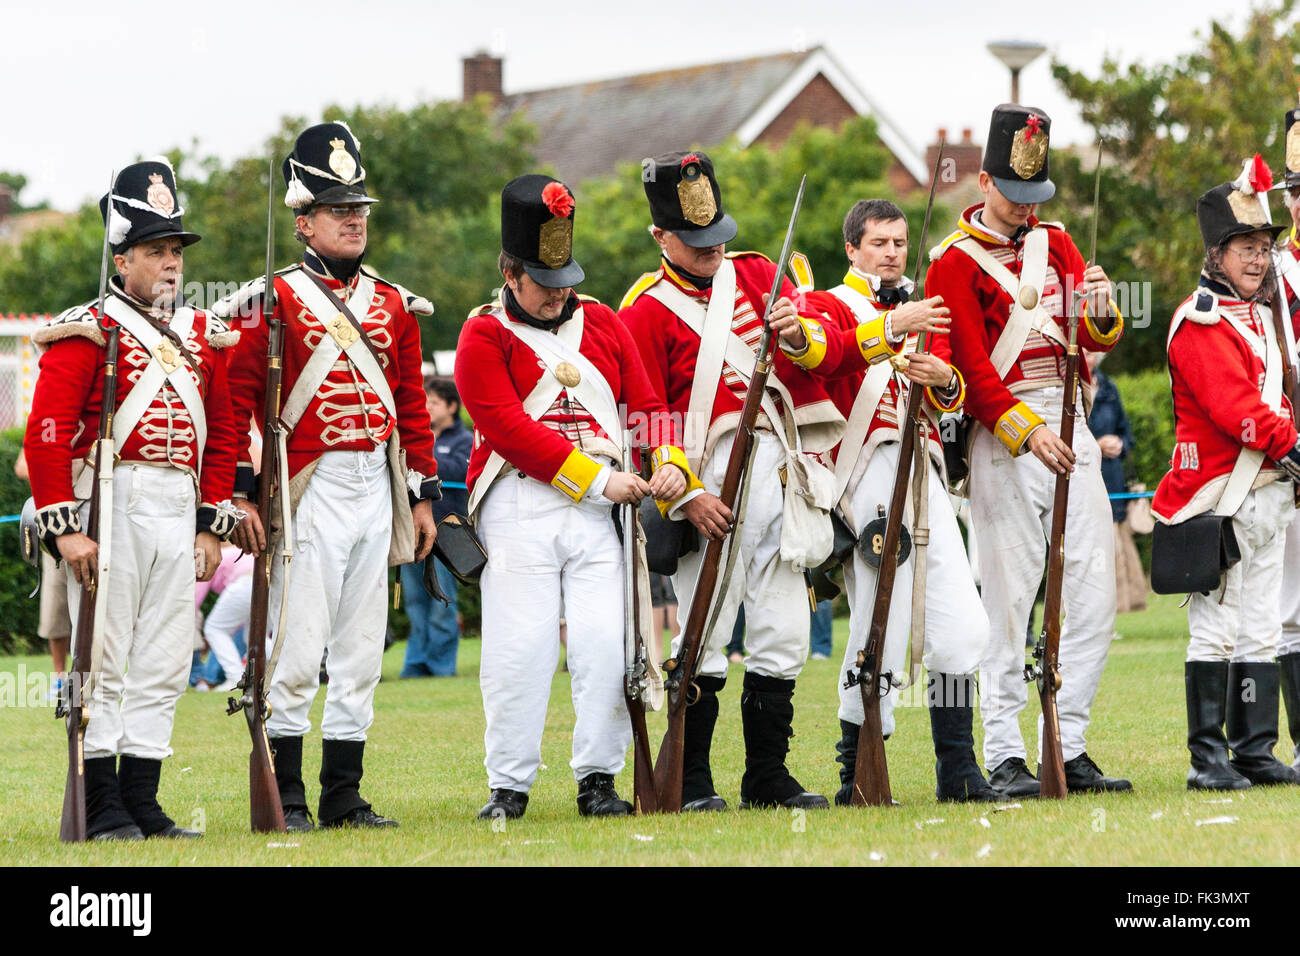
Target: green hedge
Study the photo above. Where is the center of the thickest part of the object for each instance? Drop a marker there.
(1150, 409)
(18, 613)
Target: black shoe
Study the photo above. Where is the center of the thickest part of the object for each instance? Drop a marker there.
(952, 714)
(1289, 667)
(1252, 724)
(506, 804)
(767, 718)
(174, 832)
(697, 776)
(1012, 779)
(106, 816)
(710, 804)
(847, 757)
(139, 778)
(298, 820)
(360, 818)
(1084, 776)
(340, 782)
(128, 831)
(1206, 684)
(597, 797)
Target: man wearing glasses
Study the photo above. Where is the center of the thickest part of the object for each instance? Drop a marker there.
(360, 464)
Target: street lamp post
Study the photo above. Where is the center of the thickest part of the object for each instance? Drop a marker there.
(1016, 55)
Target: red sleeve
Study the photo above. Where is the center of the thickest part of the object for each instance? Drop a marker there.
(1070, 267)
(217, 475)
(246, 376)
(68, 373)
(496, 407)
(647, 414)
(956, 278)
(1201, 357)
(648, 324)
(759, 271)
(413, 425)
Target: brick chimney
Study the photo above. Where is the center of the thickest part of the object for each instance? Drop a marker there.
(6, 200)
(482, 74)
(960, 160)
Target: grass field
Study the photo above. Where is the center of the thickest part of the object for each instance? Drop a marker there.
(424, 768)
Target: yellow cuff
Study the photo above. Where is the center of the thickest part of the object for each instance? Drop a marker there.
(933, 394)
(814, 351)
(1111, 337)
(672, 455)
(872, 342)
(576, 475)
(1015, 425)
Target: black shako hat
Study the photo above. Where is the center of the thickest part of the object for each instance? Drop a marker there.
(1015, 153)
(537, 227)
(1292, 155)
(145, 206)
(324, 168)
(685, 199)
(1225, 211)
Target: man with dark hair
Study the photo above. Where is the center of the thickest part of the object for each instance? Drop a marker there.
(174, 435)
(869, 307)
(435, 627)
(550, 379)
(362, 475)
(1010, 281)
(697, 321)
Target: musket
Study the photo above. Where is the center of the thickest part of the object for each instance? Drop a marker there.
(90, 613)
(871, 771)
(635, 654)
(681, 669)
(1045, 667)
(266, 813)
(1281, 322)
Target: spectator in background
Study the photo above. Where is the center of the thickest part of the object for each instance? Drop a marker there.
(664, 601)
(233, 583)
(1115, 439)
(435, 628)
(55, 625)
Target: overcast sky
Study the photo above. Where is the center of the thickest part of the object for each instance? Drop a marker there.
(90, 86)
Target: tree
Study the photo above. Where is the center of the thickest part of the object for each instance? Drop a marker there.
(17, 182)
(1174, 131)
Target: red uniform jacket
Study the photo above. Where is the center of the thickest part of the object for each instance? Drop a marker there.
(980, 309)
(64, 420)
(1291, 255)
(345, 414)
(496, 372)
(670, 347)
(1218, 408)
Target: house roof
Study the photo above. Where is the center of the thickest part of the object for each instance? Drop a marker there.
(587, 128)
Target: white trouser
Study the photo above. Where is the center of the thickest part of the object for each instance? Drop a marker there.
(956, 628)
(1290, 597)
(1240, 622)
(338, 589)
(149, 624)
(1011, 509)
(549, 557)
(777, 616)
(227, 616)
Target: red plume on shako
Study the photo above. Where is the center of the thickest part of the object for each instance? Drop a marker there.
(558, 199)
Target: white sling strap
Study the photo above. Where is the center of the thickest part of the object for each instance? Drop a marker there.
(341, 339)
(1289, 267)
(1029, 286)
(592, 388)
(166, 367)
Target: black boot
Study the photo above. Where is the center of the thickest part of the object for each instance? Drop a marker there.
(1207, 691)
(138, 778)
(698, 793)
(287, 756)
(106, 817)
(767, 715)
(952, 714)
(340, 787)
(1252, 722)
(847, 750)
(1290, 667)
(598, 798)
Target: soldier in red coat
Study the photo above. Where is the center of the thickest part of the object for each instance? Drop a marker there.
(552, 381)
(1010, 281)
(361, 468)
(697, 320)
(175, 442)
(1236, 454)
